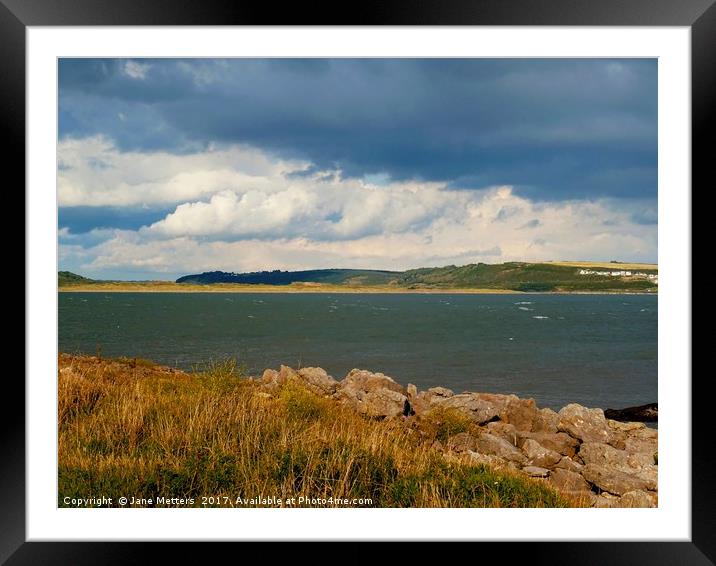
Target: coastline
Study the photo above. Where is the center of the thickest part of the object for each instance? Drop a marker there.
(309, 289)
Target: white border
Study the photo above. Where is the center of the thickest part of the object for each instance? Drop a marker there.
(671, 521)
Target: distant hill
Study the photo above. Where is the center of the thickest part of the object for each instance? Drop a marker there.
(519, 276)
(332, 276)
(515, 276)
(65, 278)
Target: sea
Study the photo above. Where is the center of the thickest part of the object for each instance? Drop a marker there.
(596, 350)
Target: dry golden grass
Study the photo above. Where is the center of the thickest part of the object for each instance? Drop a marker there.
(170, 287)
(129, 428)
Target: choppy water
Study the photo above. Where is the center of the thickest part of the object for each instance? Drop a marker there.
(597, 350)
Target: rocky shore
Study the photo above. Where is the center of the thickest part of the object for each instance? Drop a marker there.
(598, 461)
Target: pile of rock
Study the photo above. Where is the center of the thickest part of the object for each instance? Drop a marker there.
(602, 462)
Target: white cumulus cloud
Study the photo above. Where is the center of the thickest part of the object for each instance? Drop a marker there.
(236, 208)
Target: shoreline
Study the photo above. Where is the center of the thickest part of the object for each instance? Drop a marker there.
(276, 289)
(585, 457)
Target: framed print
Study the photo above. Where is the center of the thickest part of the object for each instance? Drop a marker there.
(423, 276)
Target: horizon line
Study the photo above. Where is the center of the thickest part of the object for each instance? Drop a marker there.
(554, 261)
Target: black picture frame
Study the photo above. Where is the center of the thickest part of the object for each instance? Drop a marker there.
(17, 15)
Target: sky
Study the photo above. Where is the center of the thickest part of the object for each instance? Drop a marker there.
(174, 166)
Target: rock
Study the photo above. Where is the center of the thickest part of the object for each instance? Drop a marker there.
(273, 379)
(479, 410)
(420, 403)
(412, 391)
(373, 394)
(269, 379)
(546, 420)
(536, 471)
(369, 381)
(285, 373)
(494, 445)
(647, 472)
(642, 440)
(440, 392)
(566, 463)
(498, 399)
(314, 379)
(505, 430)
(419, 400)
(587, 425)
(569, 482)
(613, 481)
(538, 455)
(638, 499)
(640, 464)
(643, 413)
(625, 427)
(618, 440)
(605, 455)
(519, 412)
(560, 442)
(602, 454)
(645, 433)
(639, 446)
(462, 442)
(489, 460)
(317, 380)
(604, 500)
(424, 400)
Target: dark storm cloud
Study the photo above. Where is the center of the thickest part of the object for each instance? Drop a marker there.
(555, 129)
(82, 219)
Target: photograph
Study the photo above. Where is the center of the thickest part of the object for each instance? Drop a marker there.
(375, 282)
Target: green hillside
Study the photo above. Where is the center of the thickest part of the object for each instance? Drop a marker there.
(513, 276)
(519, 276)
(66, 278)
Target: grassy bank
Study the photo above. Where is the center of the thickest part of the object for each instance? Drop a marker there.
(128, 428)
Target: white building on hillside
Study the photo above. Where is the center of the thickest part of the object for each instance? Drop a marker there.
(622, 273)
